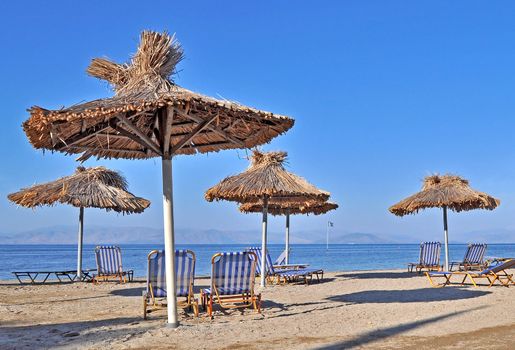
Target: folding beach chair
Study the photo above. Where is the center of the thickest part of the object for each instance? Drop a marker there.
(494, 272)
(285, 273)
(473, 259)
(429, 257)
(155, 295)
(232, 282)
(109, 264)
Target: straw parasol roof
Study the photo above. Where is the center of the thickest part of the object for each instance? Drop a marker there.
(266, 176)
(96, 187)
(149, 114)
(291, 208)
(448, 191)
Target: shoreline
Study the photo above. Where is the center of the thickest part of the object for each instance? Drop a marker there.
(370, 309)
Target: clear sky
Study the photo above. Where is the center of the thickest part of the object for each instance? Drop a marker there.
(383, 94)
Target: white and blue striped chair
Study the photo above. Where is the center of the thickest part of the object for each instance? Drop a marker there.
(155, 294)
(109, 264)
(232, 282)
(285, 273)
(473, 259)
(429, 257)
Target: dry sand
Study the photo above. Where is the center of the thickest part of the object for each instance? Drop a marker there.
(370, 309)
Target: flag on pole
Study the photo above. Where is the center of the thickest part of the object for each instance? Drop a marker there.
(330, 224)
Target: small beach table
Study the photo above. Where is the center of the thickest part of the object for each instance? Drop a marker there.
(62, 276)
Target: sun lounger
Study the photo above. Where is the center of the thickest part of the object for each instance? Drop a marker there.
(473, 259)
(281, 259)
(429, 257)
(109, 264)
(286, 273)
(62, 276)
(155, 295)
(494, 272)
(232, 282)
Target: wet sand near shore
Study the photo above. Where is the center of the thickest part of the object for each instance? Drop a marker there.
(364, 309)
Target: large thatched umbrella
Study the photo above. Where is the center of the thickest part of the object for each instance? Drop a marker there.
(447, 192)
(151, 116)
(96, 187)
(266, 180)
(287, 209)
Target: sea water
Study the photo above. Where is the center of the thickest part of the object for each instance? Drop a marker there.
(339, 257)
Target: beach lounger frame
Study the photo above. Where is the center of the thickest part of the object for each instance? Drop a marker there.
(154, 297)
(71, 276)
(246, 298)
(109, 265)
(493, 273)
(285, 273)
(473, 259)
(429, 258)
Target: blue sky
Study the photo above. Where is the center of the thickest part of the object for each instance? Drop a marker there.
(383, 94)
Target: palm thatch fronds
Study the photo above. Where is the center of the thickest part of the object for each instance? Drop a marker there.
(266, 176)
(96, 187)
(149, 114)
(448, 191)
(290, 208)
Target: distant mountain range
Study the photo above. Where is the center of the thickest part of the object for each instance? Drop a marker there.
(127, 235)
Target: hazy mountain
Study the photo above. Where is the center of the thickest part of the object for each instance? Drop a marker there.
(357, 238)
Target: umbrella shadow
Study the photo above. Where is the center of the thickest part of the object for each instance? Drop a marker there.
(70, 334)
(387, 332)
(407, 296)
(378, 275)
(128, 292)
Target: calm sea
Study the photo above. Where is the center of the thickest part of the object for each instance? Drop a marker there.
(338, 257)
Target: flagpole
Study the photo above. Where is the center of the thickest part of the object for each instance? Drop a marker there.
(327, 237)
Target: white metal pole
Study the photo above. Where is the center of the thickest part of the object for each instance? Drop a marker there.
(79, 243)
(263, 241)
(327, 237)
(287, 237)
(171, 297)
(446, 234)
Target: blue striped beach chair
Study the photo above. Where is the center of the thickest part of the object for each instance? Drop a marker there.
(232, 282)
(285, 273)
(155, 295)
(429, 257)
(109, 264)
(473, 259)
(494, 272)
(281, 259)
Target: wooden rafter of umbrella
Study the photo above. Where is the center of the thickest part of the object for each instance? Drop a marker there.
(266, 180)
(446, 192)
(289, 208)
(95, 187)
(151, 116)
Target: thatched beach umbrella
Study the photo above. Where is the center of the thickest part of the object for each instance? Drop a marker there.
(446, 192)
(151, 116)
(287, 209)
(96, 187)
(266, 179)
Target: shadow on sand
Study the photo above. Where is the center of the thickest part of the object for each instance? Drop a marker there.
(379, 275)
(383, 333)
(407, 296)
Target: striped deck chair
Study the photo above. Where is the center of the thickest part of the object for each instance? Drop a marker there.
(155, 295)
(473, 259)
(429, 257)
(285, 273)
(232, 282)
(281, 259)
(109, 264)
(494, 272)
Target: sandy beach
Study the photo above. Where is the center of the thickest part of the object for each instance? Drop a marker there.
(366, 309)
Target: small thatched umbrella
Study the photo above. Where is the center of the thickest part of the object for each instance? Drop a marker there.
(266, 179)
(287, 209)
(96, 187)
(151, 116)
(447, 191)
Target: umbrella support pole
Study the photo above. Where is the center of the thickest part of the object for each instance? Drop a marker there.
(169, 242)
(79, 243)
(446, 237)
(263, 241)
(287, 237)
